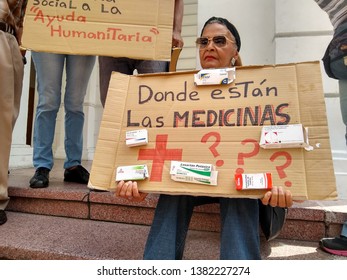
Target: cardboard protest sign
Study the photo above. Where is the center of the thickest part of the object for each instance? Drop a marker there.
(219, 125)
(118, 28)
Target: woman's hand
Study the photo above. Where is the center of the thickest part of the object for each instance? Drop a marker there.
(177, 41)
(130, 191)
(278, 197)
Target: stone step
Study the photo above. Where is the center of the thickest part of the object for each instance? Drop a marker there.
(40, 237)
(310, 220)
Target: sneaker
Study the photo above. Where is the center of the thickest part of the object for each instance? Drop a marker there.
(335, 246)
(40, 178)
(76, 174)
(3, 217)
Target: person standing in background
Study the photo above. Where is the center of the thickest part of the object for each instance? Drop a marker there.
(49, 69)
(337, 12)
(11, 80)
(127, 66)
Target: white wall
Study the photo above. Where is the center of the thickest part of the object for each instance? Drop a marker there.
(303, 32)
(187, 58)
(255, 21)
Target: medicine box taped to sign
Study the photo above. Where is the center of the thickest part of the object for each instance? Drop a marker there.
(119, 28)
(219, 125)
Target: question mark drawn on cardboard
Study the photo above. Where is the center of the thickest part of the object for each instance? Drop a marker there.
(214, 145)
(280, 168)
(242, 156)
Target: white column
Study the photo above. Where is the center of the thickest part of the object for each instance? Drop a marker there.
(93, 113)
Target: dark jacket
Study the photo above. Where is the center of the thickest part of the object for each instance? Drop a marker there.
(12, 13)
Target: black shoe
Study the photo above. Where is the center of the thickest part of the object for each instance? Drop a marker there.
(76, 174)
(3, 217)
(40, 178)
(335, 246)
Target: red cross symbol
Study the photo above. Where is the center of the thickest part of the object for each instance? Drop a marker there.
(159, 155)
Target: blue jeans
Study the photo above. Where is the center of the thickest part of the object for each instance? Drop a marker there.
(343, 102)
(344, 229)
(125, 66)
(49, 69)
(239, 227)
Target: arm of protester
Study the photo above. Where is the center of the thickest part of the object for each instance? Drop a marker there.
(177, 41)
(130, 191)
(278, 197)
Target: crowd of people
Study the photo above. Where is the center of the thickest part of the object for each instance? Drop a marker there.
(219, 46)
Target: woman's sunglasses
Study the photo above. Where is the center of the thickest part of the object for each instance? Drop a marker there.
(220, 41)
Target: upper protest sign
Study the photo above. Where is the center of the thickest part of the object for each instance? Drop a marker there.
(119, 28)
